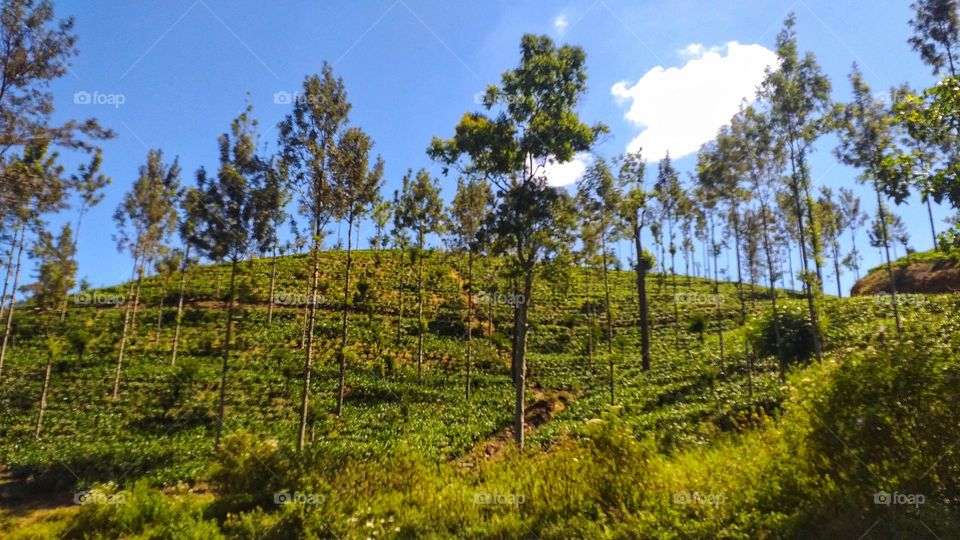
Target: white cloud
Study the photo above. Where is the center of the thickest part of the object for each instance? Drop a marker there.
(564, 174)
(560, 24)
(682, 108)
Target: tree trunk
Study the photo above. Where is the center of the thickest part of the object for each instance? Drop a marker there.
(886, 246)
(836, 264)
(642, 301)
(933, 228)
(469, 317)
(519, 354)
(311, 319)
(43, 396)
(736, 242)
(8, 328)
(9, 270)
(768, 252)
(716, 292)
(799, 169)
(420, 311)
(609, 309)
(126, 329)
(341, 385)
(136, 296)
(273, 282)
(226, 356)
(183, 281)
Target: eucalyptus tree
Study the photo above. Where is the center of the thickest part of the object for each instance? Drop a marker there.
(709, 202)
(887, 230)
(147, 214)
(635, 215)
(866, 142)
(308, 136)
(272, 199)
(535, 122)
(670, 196)
(381, 215)
(469, 211)
(33, 185)
(936, 37)
(356, 185)
(226, 221)
(421, 211)
(798, 95)
(831, 225)
(56, 274)
(190, 215)
(853, 218)
(600, 201)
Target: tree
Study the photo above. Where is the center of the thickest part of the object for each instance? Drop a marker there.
(936, 37)
(190, 215)
(382, 214)
(308, 136)
(831, 225)
(799, 98)
(165, 268)
(600, 200)
(355, 187)
(634, 214)
(226, 220)
(887, 230)
(469, 211)
(89, 183)
(272, 199)
(421, 211)
(866, 142)
(536, 123)
(56, 274)
(145, 217)
(853, 218)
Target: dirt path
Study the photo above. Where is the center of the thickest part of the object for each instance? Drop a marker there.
(548, 403)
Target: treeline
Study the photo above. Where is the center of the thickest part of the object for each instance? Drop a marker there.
(752, 194)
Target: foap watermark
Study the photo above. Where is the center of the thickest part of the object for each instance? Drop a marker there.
(695, 298)
(886, 498)
(496, 498)
(97, 97)
(99, 497)
(96, 298)
(282, 97)
(297, 497)
(493, 297)
(281, 298)
(695, 497)
(914, 300)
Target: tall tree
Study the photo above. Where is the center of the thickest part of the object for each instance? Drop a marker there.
(421, 211)
(635, 214)
(853, 218)
(936, 36)
(272, 199)
(469, 211)
(226, 221)
(190, 215)
(308, 137)
(866, 142)
(356, 185)
(56, 274)
(600, 198)
(831, 221)
(798, 94)
(536, 123)
(145, 217)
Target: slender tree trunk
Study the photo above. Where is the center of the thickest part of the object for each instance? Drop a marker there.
(183, 282)
(8, 273)
(856, 254)
(716, 292)
(311, 320)
(136, 296)
(768, 252)
(43, 396)
(469, 317)
(273, 282)
(341, 385)
(126, 329)
(673, 279)
(519, 353)
(736, 243)
(836, 264)
(8, 330)
(420, 311)
(592, 318)
(799, 172)
(226, 356)
(890, 273)
(642, 301)
(609, 310)
(933, 228)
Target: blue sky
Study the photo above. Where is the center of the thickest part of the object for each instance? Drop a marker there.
(182, 69)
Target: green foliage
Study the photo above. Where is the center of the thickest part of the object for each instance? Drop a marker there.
(796, 335)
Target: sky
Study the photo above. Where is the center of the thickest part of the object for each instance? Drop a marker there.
(663, 75)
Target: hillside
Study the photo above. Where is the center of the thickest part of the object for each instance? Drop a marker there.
(930, 272)
(159, 433)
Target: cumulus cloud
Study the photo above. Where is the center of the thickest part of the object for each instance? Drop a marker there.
(560, 24)
(564, 174)
(682, 108)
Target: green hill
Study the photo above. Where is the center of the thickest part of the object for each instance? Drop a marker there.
(159, 433)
